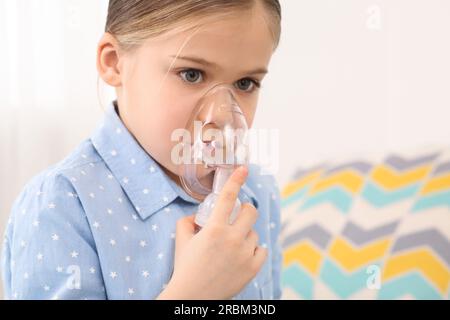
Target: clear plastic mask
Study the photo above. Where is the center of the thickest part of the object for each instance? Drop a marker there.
(218, 145)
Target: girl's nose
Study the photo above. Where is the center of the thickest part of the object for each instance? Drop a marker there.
(219, 106)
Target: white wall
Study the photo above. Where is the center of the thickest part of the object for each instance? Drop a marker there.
(349, 77)
(358, 76)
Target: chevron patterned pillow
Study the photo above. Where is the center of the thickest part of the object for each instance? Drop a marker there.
(368, 229)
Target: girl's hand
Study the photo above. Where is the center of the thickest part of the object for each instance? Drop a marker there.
(219, 260)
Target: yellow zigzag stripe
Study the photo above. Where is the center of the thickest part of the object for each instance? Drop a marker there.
(351, 258)
(305, 254)
(436, 184)
(423, 260)
(390, 179)
(296, 185)
(350, 180)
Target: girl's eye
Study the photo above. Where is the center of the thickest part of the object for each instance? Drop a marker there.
(191, 75)
(247, 84)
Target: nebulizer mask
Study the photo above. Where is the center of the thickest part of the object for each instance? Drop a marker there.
(218, 145)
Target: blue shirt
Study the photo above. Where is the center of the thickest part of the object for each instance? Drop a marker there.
(101, 224)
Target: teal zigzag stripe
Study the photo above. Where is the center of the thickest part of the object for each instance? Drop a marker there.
(433, 200)
(340, 198)
(380, 198)
(412, 283)
(342, 283)
(297, 279)
(294, 197)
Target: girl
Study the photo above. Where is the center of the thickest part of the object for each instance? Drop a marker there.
(111, 221)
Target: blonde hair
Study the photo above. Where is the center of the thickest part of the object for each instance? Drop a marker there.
(133, 21)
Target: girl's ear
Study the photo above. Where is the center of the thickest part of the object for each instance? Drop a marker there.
(108, 59)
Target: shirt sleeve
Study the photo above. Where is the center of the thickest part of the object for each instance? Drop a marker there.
(275, 225)
(49, 251)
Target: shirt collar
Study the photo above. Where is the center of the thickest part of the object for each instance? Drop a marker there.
(145, 183)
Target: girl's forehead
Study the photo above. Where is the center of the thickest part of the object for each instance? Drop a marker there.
(226, 40)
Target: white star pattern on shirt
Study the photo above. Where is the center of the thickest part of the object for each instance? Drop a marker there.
(105, 209)
(118, 131)
(113, 153)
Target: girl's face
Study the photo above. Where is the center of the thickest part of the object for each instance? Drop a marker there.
(157, 94)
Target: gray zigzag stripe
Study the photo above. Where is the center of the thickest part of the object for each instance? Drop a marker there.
(431, 238)
(442, 167)
(361, 236)
(400, 163)
(316, 233)
(303, 172)
(360, 166)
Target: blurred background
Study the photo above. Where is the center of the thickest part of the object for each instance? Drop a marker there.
(350, 77)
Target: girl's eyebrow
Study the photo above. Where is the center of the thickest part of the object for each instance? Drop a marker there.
(213, 65)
